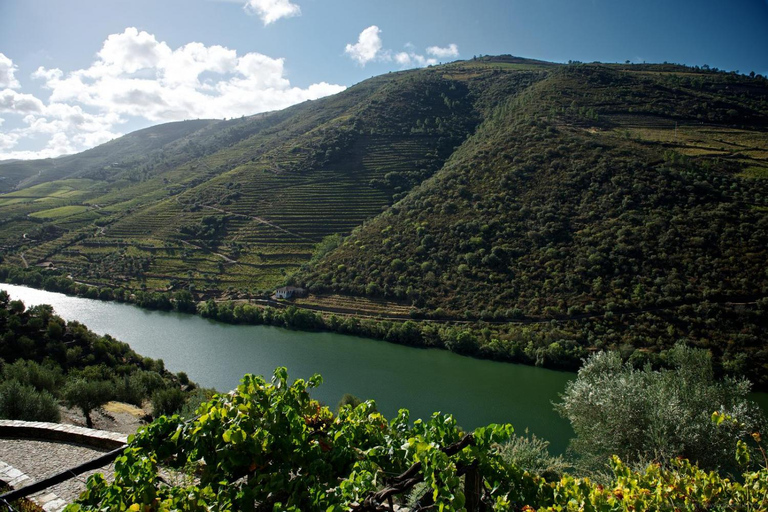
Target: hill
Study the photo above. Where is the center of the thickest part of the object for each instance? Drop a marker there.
(628, 204)
(550, 209)
(108, 159)
(241, 204)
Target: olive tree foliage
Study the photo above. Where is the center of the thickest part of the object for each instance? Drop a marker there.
(531, 454)
(657, 415)
(88, 395)
(23, 402)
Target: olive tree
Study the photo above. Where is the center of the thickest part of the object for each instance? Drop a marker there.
(645, 414)
(88, 395)
(23, 402)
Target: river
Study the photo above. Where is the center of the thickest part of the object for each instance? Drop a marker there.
(217, 355)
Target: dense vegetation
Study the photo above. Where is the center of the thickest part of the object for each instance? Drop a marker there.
(45, 360)
(269, 446)
(639, 414)
(578, 201)
(547, 211)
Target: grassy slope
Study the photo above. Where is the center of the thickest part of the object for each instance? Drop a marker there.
(108, 158)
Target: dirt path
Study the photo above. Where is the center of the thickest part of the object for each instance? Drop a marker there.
(263, 221)
(23, 260)
(744, 301)
(222, 256)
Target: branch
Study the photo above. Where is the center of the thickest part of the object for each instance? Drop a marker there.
(407, 480)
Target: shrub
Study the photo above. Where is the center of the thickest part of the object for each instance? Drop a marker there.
(656, 415)
(166, 402)
(32, 374)
(531, 453)
(194, 399)
(24, 402)
(348, 399)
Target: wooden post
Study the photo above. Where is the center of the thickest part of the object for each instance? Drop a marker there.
(472, 489)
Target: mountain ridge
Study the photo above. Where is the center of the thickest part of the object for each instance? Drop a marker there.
(625, 203)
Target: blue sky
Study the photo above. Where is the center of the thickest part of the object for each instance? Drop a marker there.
(75, 74)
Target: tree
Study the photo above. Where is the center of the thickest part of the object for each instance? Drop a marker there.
(648, 414)
(348, 399)
(168, 401)
(88, 395)
(23, 402)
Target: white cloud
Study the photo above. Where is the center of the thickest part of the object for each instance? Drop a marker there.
(7, 71)
(368, 46)
(8, 140)
(135, 76)
(452, 50)
(17, 103)
(411, 59)
(272, 10)
(128, 53)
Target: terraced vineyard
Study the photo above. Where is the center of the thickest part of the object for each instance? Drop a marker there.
(239, 206)
(546, 210)
(356, 306)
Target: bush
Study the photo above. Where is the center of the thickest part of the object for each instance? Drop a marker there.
(270, 446)
(24, 402)
(463, 342)
(641, 415)
(167, 402)
(194, 399)
(32, 374)
(348, 399)
(531, 453)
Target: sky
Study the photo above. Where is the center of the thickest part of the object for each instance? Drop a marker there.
(78, 73)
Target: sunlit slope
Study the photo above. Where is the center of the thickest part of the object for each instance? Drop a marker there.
(252, 200)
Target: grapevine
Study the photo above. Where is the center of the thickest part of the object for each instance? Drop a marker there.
(270, 446)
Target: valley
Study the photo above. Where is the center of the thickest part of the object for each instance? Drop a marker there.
(538, 211)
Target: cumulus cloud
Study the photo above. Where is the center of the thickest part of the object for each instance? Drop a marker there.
(410, 58)
(136, 76)
(17, 103)
(368, 46)
(8, 140)
(272, 10)
(452, 50)
(7, 71)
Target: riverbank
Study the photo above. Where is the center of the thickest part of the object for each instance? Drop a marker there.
(553, 343)
(217, 355)
(481, 339)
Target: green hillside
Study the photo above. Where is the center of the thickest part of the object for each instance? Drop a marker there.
(548, 210)
(111, 158)
(239, 205)
(605, 206)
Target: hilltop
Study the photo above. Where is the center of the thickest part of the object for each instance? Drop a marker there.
(552, 209)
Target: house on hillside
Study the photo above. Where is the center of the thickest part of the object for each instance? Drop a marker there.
(286, 292)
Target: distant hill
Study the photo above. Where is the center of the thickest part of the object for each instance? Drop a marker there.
(130, 150)
(557, 209)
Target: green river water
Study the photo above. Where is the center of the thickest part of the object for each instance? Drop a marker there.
(217, 355)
